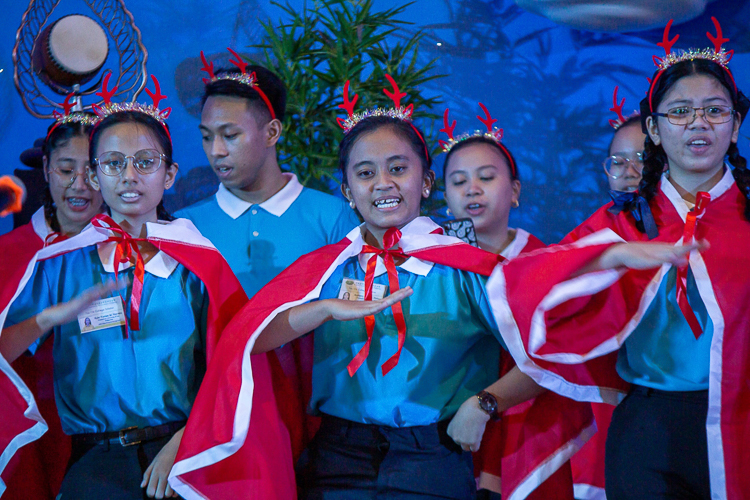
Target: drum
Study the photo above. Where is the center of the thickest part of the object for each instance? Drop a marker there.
(71, 50)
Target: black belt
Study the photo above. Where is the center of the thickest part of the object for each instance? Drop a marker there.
(130, 436)
(700, 396)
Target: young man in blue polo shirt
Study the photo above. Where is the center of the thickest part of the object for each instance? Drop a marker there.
(261, 219)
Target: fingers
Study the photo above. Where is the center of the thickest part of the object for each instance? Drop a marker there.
(155, 487)
(380, 305)
(146, 476)
(681, 254)
(162, 487)
(472, 447)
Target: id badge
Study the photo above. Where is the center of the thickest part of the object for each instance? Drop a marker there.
(101, 314)
(352, 289)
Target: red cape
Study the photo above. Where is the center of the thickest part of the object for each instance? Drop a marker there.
(25, 471)
(220, 456)
(181, 241)
(571, 330)
(504, 444)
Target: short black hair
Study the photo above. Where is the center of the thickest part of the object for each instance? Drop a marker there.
(270, 84)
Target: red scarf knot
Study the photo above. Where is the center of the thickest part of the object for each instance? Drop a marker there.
(126, 247)
(701, 202)
(390, 240)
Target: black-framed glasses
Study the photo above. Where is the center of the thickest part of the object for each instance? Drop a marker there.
(617, 166)
(145, 161)
(685, 115)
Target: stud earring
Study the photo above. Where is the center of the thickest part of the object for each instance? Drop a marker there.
(351, 204)
(515, 204)
(427, 192)
(448, 212)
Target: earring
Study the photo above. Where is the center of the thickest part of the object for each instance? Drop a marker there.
(515, 204)
(351, 204)
(448, 212)
(427, 192)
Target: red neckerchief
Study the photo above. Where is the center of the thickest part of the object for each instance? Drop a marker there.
(390, 240)
(126, 246)
(701, 202)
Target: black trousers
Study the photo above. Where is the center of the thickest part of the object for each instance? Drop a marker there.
(657, 447)
(109, 471)
(348, 460)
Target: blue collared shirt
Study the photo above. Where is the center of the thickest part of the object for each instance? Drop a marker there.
(103, 381)
(452, 349)
(662, 352)
(261, 240)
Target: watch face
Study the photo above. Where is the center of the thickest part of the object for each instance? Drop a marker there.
(487, 402)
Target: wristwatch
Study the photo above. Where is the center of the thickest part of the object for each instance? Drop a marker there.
(488, 404)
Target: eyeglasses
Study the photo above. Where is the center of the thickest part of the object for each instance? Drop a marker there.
(616, 166)
(68, 175)
(683, 115)
(145, 161)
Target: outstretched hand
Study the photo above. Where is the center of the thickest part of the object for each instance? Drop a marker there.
(60, 314)
(347, 310)
(649, 255)
(297, 321)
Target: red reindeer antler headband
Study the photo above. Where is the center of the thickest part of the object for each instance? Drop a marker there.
(67, 117)
(243, 77)
(152, 110)
(617, 109)
(397, 111)
(492, 133)
(718, 54)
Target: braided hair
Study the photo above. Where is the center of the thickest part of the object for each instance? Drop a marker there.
(655, 159)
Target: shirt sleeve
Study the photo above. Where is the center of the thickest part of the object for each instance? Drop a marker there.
(35, 297)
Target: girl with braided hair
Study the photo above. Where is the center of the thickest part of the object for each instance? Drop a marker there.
(69, 205)
(677, 334)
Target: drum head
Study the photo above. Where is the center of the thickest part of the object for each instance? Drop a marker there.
(78, 45)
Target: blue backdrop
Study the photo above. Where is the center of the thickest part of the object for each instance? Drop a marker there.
(549, 86)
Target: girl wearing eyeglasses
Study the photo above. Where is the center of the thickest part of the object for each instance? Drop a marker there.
(69, 205)
(678, 334)
(624, 164)
(125, 382)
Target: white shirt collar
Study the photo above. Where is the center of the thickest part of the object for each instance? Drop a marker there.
(161, 265)
(417, 227)
(276, 205)
(517, 245)
(679, 204)
(39, 223)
